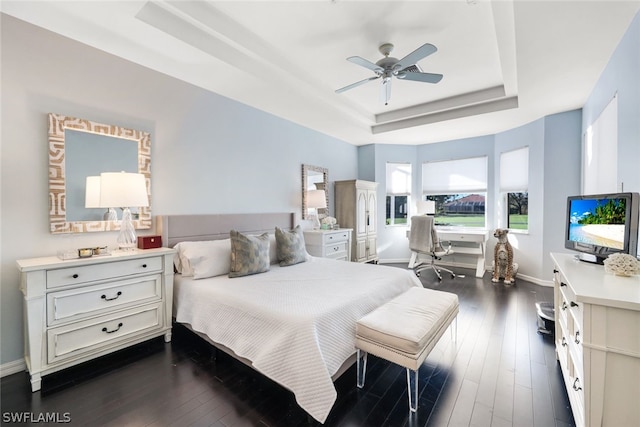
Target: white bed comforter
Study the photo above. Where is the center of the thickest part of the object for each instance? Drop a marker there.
(295, 324)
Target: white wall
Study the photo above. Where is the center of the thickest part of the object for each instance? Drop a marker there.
(209, 154)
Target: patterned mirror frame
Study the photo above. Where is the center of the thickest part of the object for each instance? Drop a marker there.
(57, 180)
(325, 179)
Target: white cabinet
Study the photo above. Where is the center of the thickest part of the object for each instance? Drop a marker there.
(77, 310)
(597, 322)
(356, 208)
(334, 244)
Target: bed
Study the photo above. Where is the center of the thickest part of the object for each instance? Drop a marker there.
(294, 324)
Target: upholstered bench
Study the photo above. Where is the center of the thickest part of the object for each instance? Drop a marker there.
(404, 331)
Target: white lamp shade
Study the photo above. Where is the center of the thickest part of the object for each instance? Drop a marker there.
(92, 192)
(123, 189)
(316, 199)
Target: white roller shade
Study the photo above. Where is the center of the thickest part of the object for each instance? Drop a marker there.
(455, 176)
(514, 171)
(399, 179)
(600, 152)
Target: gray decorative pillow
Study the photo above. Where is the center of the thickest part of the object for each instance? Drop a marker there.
(290, 246)
(249, 254)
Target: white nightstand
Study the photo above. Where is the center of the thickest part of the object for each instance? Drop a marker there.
(335, 244)
(77, 310)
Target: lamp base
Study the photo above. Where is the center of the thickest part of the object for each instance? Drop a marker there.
(316, 222)
(127, 239)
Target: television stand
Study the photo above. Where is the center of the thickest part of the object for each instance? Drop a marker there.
(597, 342)
(594, 259)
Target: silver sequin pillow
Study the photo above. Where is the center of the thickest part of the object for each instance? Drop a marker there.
(249, 254)
(290, 246)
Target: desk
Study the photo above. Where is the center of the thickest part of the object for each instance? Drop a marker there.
(475, 238)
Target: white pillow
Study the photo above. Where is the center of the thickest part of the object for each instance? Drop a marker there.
(273, 252)
(204, 259)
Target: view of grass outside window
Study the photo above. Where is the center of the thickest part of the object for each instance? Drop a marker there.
(514, 184)
(518, 205)
(397, 209)
(459, 210)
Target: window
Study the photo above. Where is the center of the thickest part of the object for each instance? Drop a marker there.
(514, 185)
(459, 188)
(600, 152)
(398, 192)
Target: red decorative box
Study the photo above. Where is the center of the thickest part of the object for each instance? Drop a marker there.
(149, 242)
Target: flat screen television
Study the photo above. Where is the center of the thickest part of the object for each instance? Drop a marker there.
(602, 224)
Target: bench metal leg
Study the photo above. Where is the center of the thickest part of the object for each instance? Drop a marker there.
(412, 386)
(361, 367)
(454, 330)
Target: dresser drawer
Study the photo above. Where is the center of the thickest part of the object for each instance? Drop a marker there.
(91, 335)
(335, 251)
(569, 303)
(108, 270)
(323, 237)
(79, 303)
(338, 236)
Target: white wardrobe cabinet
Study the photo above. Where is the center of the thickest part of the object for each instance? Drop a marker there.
(356, 208)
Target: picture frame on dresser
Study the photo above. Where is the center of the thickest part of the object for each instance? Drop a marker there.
(80, 309)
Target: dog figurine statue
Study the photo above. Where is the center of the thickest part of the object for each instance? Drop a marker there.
(503, 265)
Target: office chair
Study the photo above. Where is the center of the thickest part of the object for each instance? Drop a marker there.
(423, 239)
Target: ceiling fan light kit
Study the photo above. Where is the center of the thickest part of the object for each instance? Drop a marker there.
(406, 69)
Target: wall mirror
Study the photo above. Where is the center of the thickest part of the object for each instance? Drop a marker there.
(314, 178)
(79, 148)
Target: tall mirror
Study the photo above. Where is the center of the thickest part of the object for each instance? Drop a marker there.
(314, 178)
(80, 148)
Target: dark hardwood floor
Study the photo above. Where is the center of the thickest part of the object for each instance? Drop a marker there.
(500, 372)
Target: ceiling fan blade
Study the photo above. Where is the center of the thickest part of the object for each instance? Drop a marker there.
(385, 91)
(415, 56)
(365, 63)
(421, 77)
(352, 85)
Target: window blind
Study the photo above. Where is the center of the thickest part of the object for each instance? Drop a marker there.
(514, 171)
(398, 179)
(455, 176)
(600, 152)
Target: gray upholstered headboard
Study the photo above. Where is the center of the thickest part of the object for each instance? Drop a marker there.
(179, 228)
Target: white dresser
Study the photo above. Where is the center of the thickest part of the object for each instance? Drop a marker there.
(335, 244)
(597, 322)
(76, 310)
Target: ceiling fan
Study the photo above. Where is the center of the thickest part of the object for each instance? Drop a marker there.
(405, 68)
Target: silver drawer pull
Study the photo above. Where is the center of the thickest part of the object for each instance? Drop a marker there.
(104, 297)
(577, 340)
(576, 385)
(115, 330)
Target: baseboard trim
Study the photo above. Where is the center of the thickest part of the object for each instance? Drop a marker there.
(14, 367)
(535, 280)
